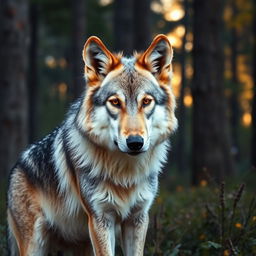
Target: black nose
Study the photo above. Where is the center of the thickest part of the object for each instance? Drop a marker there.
(134, 142)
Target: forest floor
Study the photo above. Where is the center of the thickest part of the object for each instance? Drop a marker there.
(212, 219)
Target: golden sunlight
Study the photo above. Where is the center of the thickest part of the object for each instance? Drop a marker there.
(105, 2)
(175, 41)
(189, 71)
(174, 14)
(167, 4)
(180, 31)
(190, 37)
(50, 62)
(247, 119)
(156, 7)
(189, 43)
(62, 88)
(176, 36)
(176, 79)
(189, 46)
(188, 100)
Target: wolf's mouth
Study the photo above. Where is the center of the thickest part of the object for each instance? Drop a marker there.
(135, 153)
(132, 153)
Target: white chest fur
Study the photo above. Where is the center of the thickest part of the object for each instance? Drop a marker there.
(120, 199)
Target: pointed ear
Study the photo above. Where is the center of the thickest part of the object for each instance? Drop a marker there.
(98, 60)
(157, 58)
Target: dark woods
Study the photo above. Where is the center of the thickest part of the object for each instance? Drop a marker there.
(214, 41)
(41, 71)
(14, 52)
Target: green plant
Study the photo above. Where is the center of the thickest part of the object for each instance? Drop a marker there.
(203, 221)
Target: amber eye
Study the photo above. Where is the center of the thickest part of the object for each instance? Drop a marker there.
(115, 102)
(146, 101)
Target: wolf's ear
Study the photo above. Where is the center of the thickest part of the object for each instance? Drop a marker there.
(157, 58)
(98, 60)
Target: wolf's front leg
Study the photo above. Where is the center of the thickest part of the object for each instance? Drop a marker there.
(102, 234)
(134, 232)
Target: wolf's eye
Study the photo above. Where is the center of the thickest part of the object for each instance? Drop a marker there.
(115, 102)
(146, 101)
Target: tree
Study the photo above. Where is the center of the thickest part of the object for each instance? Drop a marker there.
(33, 73)
(13, 87)
(211, 152)
(142, 32)
(253, 141)
(78, 39)
(181, 107)
(235, 84)
(132, 25)
(123, 26)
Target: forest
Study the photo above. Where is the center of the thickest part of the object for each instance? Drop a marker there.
(206, 204)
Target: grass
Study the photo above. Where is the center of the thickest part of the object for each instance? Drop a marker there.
(207, 220)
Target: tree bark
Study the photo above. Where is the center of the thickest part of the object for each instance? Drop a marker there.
(181, 160)
(211, 152)
(33, 73)
(123, 26)
(13, 88)
(253, 141)
(142, 32)
(78, 39)
(235, 84)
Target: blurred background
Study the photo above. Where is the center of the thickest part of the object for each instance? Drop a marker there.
(214, 41)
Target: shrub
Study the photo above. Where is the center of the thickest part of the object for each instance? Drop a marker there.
(203, 221)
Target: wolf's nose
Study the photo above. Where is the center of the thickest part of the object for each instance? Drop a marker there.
(134, 142)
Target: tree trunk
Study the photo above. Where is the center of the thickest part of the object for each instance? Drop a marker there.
(235, 84)
(78, 39)
(181, 160)
(13, 87)
(253, 141)
(142, 33)
(123, 26)
(33, 73)
(211, 152)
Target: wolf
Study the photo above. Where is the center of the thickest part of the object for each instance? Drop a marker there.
(95, 176)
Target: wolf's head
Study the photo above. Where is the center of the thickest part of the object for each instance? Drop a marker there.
(129, 104)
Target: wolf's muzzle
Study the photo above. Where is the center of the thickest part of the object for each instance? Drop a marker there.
(134, 143)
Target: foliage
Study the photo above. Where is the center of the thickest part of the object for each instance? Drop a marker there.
(203, 221)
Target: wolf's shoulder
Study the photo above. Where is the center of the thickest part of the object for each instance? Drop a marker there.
(41, 150)
(36, 161)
